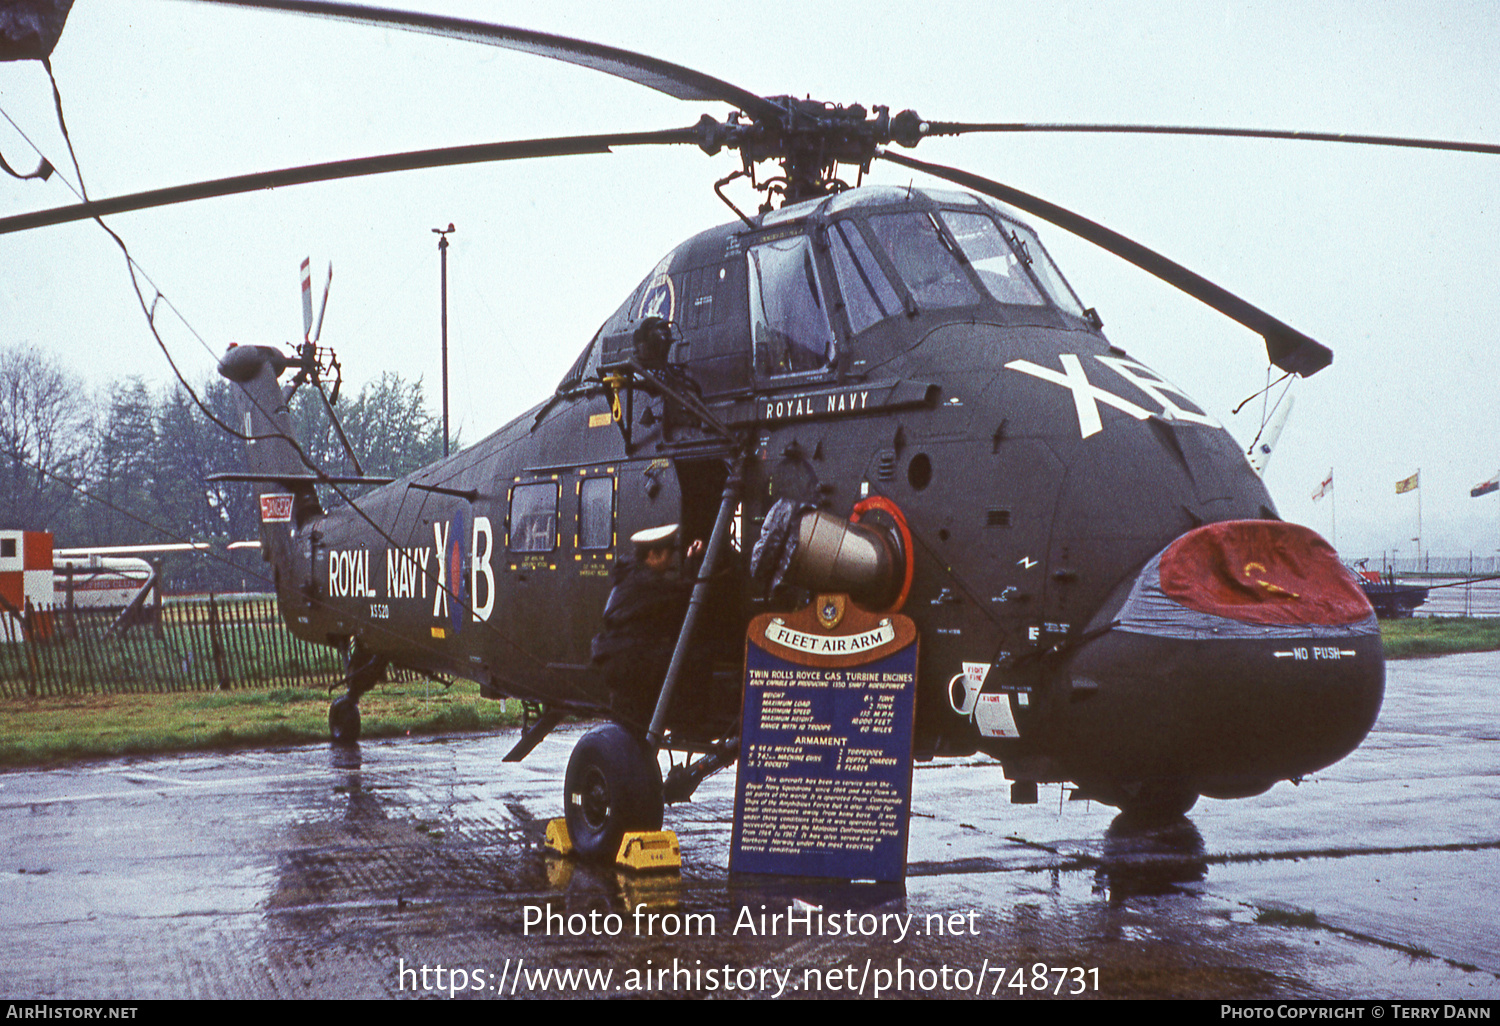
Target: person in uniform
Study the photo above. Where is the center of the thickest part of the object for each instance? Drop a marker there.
(642, 619)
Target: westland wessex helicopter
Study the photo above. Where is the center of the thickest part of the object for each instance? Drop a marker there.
(903, 381)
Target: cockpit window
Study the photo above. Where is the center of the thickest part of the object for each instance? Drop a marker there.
(1035, 257)
(921, 255)
(790, 325)
(868, 296)
(1000, 270)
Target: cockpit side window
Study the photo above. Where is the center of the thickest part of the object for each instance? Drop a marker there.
(1000, 270)
(868, 296)
(788, 319)
(921, 255)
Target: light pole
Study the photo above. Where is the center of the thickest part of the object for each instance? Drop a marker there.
(442, 234)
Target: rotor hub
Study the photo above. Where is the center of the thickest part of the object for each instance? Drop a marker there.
(810, 139)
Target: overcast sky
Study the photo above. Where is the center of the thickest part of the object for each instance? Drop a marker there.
(1387, 256)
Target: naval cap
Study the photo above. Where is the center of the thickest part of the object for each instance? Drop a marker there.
(654, 537)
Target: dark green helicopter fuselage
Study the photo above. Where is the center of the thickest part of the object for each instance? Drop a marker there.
(916, 346)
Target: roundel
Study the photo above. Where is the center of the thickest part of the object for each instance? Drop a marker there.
(458, 583)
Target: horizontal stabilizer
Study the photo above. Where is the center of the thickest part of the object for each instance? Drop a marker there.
(300, 478)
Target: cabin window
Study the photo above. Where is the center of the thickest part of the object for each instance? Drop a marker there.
(596, 512)
(533, 517)
(868, 296)
(788, 319)
(1000, 270)
(1035, 257)
(921, 255)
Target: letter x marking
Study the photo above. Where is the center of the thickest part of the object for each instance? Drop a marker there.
(1086, 397)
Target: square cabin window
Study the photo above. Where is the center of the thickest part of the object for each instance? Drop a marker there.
(596, 513)
(533, 517)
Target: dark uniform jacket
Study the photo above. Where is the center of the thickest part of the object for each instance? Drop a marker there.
(645, 609)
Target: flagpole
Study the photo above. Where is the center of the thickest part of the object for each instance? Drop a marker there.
(1334, 508)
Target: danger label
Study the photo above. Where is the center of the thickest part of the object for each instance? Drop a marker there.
(275, 509)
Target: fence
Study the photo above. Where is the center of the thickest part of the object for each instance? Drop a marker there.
(1449, 566)
(187, 646)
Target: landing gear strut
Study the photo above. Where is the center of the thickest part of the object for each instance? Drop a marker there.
(343, 713)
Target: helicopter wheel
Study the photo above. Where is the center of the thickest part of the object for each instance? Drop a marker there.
(343, 720)
(1159, 802)
(1147, 803)
(613, 785)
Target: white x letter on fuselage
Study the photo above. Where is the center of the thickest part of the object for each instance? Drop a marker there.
(1086, 397)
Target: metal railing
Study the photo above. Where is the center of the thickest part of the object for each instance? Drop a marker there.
(212, 644)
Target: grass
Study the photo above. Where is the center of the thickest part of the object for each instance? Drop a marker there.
(1433, 636)
(62, 728)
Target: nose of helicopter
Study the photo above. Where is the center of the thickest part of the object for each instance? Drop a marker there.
(1242, 654)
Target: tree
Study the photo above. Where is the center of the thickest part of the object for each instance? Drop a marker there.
(189, 448)
(45, 439)
(123, 469)
(388, 426)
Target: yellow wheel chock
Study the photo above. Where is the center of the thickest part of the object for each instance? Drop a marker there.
(646, 850)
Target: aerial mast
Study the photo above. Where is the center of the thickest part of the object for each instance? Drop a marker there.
(442, 234)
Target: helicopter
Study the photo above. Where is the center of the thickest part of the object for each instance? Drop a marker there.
(910, 366)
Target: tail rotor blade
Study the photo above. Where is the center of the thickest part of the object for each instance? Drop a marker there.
(306, 299)
(324, 308)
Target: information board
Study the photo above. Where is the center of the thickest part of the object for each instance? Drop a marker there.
(824, 783)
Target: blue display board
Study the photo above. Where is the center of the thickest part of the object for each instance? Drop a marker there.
(824, 784)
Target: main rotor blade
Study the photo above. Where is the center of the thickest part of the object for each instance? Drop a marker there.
(962, 128)
(443, 157)
(1287, 347)
(663, 76)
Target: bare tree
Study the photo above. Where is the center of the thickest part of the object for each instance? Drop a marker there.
(46, 438)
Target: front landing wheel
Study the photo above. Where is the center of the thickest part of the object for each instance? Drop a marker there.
(613, 786)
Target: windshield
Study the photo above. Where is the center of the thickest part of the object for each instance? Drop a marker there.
(921, 255)
(868, 296)
(999, 269)
(790, 326)
(1035, 257)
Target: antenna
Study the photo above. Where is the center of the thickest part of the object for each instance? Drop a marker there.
(442, 234)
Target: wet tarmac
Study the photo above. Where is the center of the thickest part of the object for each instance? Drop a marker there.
(320, 872)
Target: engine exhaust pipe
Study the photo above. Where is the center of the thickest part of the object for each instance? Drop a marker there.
(810, 548)
(836, 555)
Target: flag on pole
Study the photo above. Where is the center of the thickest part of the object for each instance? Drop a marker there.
(1485, 487)
(1408, 485)
(1325, 487)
